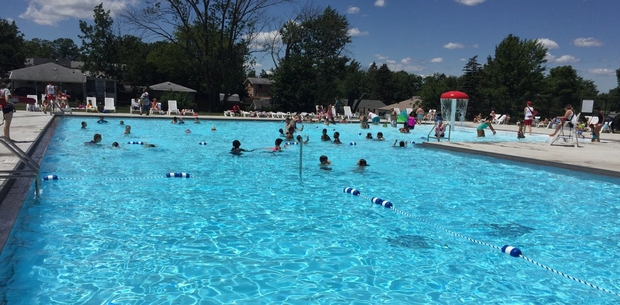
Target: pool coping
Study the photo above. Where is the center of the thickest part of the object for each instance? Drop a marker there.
(15, 191)
(522, 159)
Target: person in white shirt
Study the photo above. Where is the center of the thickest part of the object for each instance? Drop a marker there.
(146, 102)
(50, 96)
(7, 109)
(374, 118)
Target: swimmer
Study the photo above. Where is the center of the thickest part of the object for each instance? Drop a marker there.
(148, 145)
(128, 129)
(487, 123)
(400, 144)
(174, 120)
(115, 145)
(404, 130)
(288, 136)
(324, 136)
(122, 123)
(299, 139)
(188, 131)
(369, 136)
(337, 138)
(236, 149)
(96, 140)
(101, 120)
(281, 132)
(362, 163)
(213, 128)
(181, 121)
(196, 121)
(380, 136)
(83, 125)
(325, 163)
(277, 147)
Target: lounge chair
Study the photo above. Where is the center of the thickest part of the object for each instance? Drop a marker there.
(430, 116)
(109, 104)
(410, 110)
(91, 104)
(135, 106)
(172, 107)
(606, 127)
(499, 119)
(348, 113)
(33, 107)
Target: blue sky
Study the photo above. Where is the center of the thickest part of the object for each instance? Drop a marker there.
(417, 36)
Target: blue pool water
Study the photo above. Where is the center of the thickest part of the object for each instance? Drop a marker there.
(251, 230)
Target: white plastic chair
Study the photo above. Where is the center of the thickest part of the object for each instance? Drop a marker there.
(93, 102)
(172, 107)
(109, 104)
(135, 106)
(33, 107)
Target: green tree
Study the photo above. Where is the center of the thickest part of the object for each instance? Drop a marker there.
(384, 85)
(432, 89)
(469, 83)
(65, 48)
(214, 36)
(564, 86)
(38, 48)
(514, 75)
(313, 60)
(11, 46)
(99, 48)
(353, 85)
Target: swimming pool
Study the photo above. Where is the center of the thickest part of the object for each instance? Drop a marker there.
(251, 230)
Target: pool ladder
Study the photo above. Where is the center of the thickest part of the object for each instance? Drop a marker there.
(32, 170)
(428, 136)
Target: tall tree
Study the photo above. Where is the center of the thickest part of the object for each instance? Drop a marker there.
(11, 44)
(434, 86)
(38, 48)
(313, 61)
(99, 45)
(214, 36)
(469, 83)
(515, 74)
(65, 48)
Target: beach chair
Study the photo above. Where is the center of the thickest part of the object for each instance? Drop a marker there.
(430, 116)
(348, 113)
(109, 105)
(499, 119)
(606, 127)
(568, 132)
(410, 110)
(33, 107)
(172, 107)
(135, 106)
(91, 104)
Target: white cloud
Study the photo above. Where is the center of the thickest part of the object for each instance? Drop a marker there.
(380, 57)
(548, 43)
(564, 59)
(453, 45)
(9, 20)
(437, 59)
(602, 71)
(353, 10)
(390, 62)
(469, 2)
(380, 3)
(354, 32)
(463, 59)
(588, 42)
(475, 46)
(549, 57)
(261, 40)
(51, 12)
(406, 61)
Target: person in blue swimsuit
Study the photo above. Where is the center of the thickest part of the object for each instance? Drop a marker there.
(487, 123)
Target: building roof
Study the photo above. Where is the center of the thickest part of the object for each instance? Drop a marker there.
(231, 98)
(413, 102)
(48, 72)
(259, 81)
(370, 104)
(169, 86)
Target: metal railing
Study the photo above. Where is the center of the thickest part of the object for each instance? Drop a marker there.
(32, 170)
(446, 126)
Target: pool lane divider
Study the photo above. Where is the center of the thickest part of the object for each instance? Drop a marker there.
(167, 175)
(510, 250)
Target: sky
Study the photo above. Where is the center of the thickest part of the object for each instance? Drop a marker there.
(417, 36)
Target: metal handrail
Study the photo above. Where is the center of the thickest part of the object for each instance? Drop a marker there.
(34, 170)
(428, 136)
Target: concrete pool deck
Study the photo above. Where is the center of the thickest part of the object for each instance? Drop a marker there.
(32, 132)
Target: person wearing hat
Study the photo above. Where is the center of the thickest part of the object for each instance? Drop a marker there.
(529, 114)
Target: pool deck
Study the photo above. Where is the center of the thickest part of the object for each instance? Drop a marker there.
(32, 132)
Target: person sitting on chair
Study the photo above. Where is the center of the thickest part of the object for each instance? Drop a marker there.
(568, 116)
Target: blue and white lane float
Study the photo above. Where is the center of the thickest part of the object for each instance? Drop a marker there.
(50, 177)
(136, 142)
(510, 250)
(177, 175)
(202, 143)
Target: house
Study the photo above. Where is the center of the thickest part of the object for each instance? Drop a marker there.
(258, 88)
